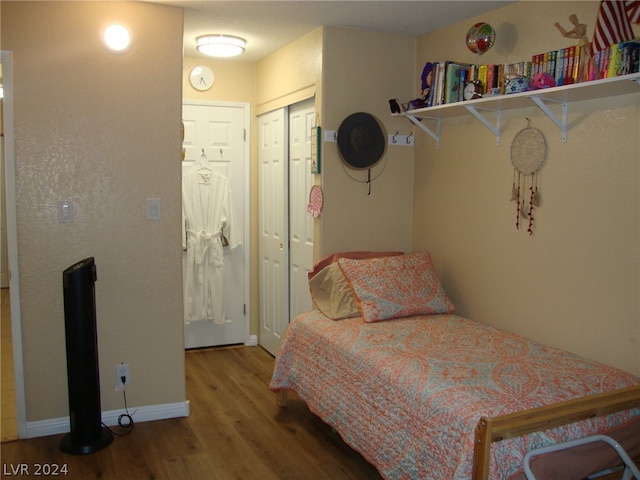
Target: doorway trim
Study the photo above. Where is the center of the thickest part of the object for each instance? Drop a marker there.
(12, 241)
(250, 340)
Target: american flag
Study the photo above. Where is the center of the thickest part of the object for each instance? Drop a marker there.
(613, 24)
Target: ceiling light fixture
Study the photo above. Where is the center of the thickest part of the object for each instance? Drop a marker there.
(220, 45)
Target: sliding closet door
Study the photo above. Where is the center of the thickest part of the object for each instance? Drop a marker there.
(301, 120)
(273, 228)
(286, 229)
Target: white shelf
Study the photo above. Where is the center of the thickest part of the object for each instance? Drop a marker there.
(488, 110)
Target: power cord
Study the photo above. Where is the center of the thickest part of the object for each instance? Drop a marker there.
(125, 420)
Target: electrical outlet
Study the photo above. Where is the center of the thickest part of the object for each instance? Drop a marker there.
(122, 377)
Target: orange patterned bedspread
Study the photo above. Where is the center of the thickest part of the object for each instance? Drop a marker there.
(408, 393)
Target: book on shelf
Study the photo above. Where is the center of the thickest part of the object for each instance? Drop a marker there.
(631, 57)
(431, 97)
(619, 59)
(493, 79)
(442, 69)
(560, 66)
(455, 77)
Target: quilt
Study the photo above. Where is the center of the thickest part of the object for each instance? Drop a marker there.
(408, 392)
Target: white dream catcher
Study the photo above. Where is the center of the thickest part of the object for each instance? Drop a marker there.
(528, 154)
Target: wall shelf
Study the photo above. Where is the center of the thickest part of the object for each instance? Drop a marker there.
(485, 109)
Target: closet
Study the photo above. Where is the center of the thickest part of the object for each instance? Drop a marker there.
(285, 227)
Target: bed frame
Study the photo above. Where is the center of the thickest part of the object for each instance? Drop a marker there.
(512, 425)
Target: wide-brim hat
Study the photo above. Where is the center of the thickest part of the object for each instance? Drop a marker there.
(361, 140)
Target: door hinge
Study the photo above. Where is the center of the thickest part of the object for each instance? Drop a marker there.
(244, 308)
(245, 134)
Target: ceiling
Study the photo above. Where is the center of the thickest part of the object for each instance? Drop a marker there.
(269, 25)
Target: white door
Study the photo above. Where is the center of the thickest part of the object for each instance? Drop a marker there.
(273, 231)
(301, 120)
(218, 130)
(286, 230)
(4, 252)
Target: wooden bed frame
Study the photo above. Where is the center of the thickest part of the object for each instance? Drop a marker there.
(494, 429)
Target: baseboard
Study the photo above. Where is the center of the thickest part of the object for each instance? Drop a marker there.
(148, 413)
(252, 342)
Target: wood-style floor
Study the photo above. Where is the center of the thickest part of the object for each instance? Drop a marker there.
(235, 431)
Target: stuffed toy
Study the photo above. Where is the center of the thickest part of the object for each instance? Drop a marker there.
(423, 101)
(542, 80)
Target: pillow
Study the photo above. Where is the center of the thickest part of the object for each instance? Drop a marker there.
(325, 262)
(332, 294)
(393, 287)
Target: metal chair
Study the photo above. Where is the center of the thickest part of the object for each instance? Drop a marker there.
(630, 469)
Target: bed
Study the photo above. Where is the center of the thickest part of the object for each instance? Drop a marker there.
(423, 393)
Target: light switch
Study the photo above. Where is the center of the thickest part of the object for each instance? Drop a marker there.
(153, 209)
(65, 211)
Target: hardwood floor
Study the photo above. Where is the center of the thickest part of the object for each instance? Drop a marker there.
(235, 431)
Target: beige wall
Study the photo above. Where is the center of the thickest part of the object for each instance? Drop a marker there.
(102, 130)
(291, 74)
(362, 71)
(575, 283)
(234, 81)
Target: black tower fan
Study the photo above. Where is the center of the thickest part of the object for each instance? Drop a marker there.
(87, 433)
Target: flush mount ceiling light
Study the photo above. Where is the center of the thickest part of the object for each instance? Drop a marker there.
(116, 38)
(220, 45)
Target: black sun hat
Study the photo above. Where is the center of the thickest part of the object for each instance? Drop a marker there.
(361, 140)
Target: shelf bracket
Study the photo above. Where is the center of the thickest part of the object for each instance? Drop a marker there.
(561, 123)
(433, 134)
(495, 130)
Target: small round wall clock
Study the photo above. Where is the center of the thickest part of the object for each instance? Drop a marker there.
(201, 78)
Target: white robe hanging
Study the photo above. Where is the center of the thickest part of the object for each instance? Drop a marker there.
(207, 215)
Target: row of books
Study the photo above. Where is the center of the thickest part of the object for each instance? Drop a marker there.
(449, 77)
(564, 64)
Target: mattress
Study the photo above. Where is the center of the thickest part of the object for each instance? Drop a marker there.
(407, 393)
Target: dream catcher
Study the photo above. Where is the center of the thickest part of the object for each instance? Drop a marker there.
(528, 154)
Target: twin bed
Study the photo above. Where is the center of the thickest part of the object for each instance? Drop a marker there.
(423, 393)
